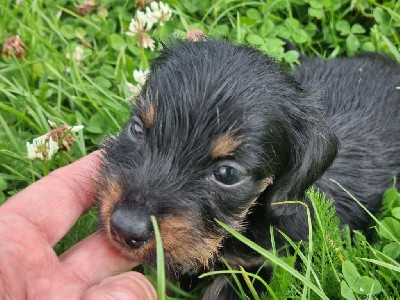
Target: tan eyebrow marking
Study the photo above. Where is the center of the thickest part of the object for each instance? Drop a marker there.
(265, 183)
(224, 145)
(148, 115)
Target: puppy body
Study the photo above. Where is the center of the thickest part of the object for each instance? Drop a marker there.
(362, 106)
(222, 132)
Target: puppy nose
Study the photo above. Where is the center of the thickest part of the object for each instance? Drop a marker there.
(133, 228)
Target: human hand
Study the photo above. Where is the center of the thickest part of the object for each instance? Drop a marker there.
(35, 219)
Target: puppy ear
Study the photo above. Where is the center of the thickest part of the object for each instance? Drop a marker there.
(312, 148)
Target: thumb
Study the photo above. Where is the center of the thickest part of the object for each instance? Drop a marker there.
(129, 285)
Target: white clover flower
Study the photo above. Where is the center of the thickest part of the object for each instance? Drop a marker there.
(145, 41)
(159, 12)
(42, 148)
(65, 127)
(134, 90)
(14, 46)
(144, 21)
(141, 76)
(141, 23)
(138, 27)
(77, 55)
(86, 7)
(134, 28)
(63, 133)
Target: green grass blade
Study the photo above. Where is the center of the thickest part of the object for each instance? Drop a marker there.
(161, 282)
(382, 264)
(268, 255)
(249, 284)
(366, 210)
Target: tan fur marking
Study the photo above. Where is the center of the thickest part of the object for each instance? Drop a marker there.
(109, 198)
(184, 244)
(148, 115)
(224, 145)
(109, 195)
(265, 183)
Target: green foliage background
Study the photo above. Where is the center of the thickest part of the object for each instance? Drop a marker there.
(45, 84)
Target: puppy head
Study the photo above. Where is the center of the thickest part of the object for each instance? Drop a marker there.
(215, 126)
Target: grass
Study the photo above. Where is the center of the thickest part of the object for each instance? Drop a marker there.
(50, 83)
(161, 285)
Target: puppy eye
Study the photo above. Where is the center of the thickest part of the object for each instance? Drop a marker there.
(228, 175)
(136, 129)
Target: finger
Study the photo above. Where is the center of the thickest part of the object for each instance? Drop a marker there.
(54, 203)
(94, 259)
(130, 285)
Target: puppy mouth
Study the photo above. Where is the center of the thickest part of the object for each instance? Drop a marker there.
(184, 247)
(188, 247)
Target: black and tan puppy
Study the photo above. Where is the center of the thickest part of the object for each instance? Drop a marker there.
(222, 132)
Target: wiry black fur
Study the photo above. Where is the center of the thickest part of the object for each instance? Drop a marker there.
(289, 126)
(362, 106)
